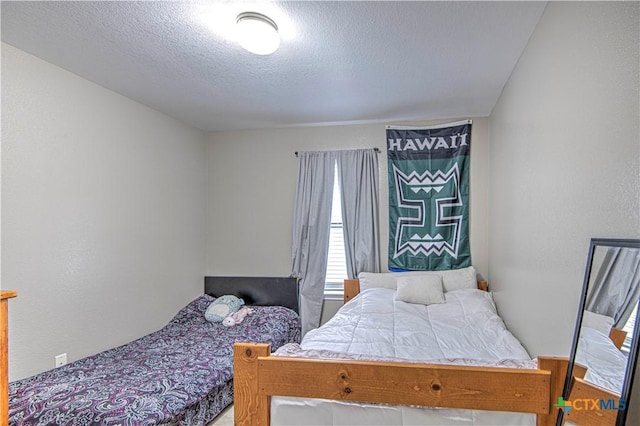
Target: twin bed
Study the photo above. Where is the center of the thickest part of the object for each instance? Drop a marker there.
(383, 361)
(179, 375)
(605, 363)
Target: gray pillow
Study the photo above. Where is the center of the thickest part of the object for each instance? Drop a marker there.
(223, 306)
(424, 290)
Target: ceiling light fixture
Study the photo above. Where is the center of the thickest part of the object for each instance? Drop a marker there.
(257, 33)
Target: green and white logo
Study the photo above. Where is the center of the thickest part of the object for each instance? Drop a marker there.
(428, 195)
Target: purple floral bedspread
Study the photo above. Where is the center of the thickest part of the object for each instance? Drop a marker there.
(179, 375)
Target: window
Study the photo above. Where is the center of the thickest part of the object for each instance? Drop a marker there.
(629, 326)
(337, 261)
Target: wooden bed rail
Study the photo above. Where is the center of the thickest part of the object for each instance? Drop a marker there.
(582, 390)
(258, 376)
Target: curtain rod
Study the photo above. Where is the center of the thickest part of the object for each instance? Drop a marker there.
(377, 150)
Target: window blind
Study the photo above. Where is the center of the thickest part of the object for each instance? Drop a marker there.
(337, 261)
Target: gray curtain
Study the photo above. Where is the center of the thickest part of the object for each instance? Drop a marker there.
(616, 287)
(358, 176)
(311, 225)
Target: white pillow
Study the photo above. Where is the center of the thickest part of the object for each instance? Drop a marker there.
(456, 279)
(453, 279)
(423, 290)
(378, 280)
(602, 323)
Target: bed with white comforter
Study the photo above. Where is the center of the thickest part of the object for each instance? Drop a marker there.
(464, 330)
(605, 363)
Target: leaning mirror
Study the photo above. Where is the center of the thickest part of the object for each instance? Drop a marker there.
(605, 343)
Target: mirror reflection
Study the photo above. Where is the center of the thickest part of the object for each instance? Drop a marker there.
(603, 348)
(609, 316)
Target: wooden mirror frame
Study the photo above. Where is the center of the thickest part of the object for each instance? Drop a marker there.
(574, 383)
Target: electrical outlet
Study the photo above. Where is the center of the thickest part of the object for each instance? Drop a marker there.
(61, 360)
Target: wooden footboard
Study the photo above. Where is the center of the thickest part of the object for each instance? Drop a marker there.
(258, 376)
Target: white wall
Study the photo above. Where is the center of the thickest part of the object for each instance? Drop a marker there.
(565, 164)
(251, 185)
(103, 213)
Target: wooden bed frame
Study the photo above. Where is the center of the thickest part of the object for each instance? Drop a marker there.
(258, 376)
(581, 389)
(5, 295)
(617, 336)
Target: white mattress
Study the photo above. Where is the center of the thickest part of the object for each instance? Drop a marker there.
(464, 330)
(605, 363)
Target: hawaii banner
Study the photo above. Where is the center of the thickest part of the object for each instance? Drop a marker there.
(429, 197)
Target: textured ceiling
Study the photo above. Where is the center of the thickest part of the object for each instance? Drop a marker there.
(338, 62)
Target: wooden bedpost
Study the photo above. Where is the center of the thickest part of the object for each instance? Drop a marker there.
(617, 336)
(351, 289)
(5, 295)
(250, 408)
(558, 368)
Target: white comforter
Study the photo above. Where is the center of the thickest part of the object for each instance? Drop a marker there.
(466, 326)
(606, 365)
(465, 330)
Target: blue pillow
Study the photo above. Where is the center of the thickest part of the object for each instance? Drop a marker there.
(223, 306)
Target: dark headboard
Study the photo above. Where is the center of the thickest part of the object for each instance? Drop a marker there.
(256, 290)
